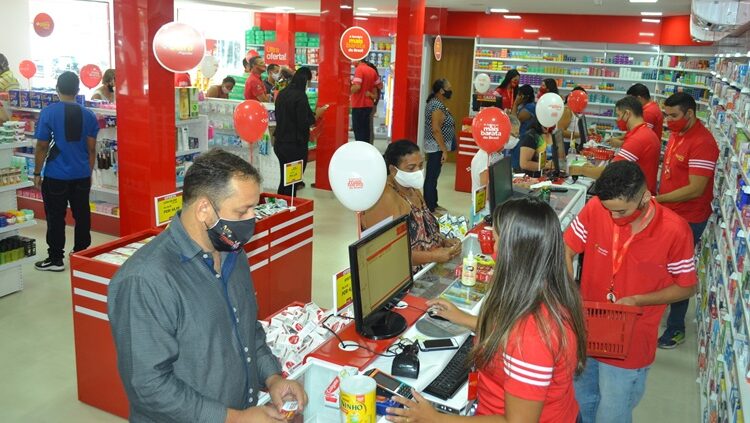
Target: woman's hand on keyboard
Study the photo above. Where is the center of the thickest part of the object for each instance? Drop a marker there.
(418, 410)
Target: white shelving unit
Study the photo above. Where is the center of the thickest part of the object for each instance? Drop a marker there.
(11, 275)
(195, 128)
(576, 65)
(723, 310)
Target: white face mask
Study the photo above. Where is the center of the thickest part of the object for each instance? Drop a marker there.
(276, 76)
(410, 179)
(225, 90)
(511, 144)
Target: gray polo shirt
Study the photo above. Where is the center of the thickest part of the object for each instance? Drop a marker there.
(188, 342)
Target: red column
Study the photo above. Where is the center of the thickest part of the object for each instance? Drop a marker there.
(285, 29)
(145, 112)
(334, 82)
(408, 72)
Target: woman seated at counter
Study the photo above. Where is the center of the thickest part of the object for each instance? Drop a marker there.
(536, 149)
(402, 196)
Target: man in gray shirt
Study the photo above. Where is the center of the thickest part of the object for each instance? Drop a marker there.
(184, 314)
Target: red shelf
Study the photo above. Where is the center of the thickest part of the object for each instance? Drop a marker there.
(100, 222)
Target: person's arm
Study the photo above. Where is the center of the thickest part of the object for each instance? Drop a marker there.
(447, 310)
(575, 237)
(668, 295)
(570, 255)
(3, 115)
(527, 159)
(588, 170)
(144, 315)
(213, 91)
(40, 153)
(436, 255)
(438, 118)
(693, 189)
(303, 112)
(91, 146)
(357, 80)
(564, 123)
(617, 142)
(98, 94)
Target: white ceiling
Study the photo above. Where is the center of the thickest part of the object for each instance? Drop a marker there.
(581, 7)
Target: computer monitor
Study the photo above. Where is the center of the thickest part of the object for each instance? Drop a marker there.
(381, 276)
(501, 182)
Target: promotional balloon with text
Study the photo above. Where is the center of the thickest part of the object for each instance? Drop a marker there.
(357, 174)
(250, 121)
(491, 129)
(549, 109)
(577, 101)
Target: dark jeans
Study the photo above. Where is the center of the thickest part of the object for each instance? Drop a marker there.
(287, 153)
(434, 166)
(361, 123)
(57, 195)
(678, 310)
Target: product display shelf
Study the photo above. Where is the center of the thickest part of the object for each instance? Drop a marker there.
(19, 144)
(191, 140)
(653, 68)
(11, 274)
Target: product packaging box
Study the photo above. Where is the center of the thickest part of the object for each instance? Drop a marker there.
(24, 99)
(35, 99)
(194, 105)
(182, 103)
(14, 97)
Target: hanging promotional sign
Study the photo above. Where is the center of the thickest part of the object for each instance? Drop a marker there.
(178, 47)
(43, 25)
(355, 43)
(91, 75)
(27, 68)
(437, 48)
(276, 53)
(293, 172)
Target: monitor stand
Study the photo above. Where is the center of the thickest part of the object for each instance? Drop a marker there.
(383, 324)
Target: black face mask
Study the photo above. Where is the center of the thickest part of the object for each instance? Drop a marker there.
(111, 88)
(448, 94)
(230, 235)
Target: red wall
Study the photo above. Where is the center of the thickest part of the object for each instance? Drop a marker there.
(673, 31)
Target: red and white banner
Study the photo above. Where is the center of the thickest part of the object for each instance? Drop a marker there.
(276, 53)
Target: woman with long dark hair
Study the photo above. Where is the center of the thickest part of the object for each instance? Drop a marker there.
(507, 88)
(524, 108)
(537, 148)
(549, 85)
(439, 138)
(293, 121)
(530, 332)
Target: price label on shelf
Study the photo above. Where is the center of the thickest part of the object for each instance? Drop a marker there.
(167, 206)
(293, 172)
(342, 291)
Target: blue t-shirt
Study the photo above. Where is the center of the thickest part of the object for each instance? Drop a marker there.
(67, 158)
(531, 108)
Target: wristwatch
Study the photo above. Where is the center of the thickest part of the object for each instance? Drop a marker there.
(37, 174)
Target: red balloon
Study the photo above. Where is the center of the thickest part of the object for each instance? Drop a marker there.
(43, 25)
(91, 75)
(491, 129)
(577, 101)
(27, 69)
(250, 121)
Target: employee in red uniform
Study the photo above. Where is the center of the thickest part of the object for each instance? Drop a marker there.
(365, 86)
(530, 330)
(651, 111)
(687, 184)
(637, 253)
(507, 88)
(641, 144)
(254, 87)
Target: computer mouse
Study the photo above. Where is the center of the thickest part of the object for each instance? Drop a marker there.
(435, 316)
(406, 364)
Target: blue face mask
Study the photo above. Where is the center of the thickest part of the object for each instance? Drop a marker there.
(230, 235)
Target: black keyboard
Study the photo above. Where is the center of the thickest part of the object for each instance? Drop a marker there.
(455, 373)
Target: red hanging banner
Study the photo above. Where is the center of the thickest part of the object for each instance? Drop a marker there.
(276, 53)
(355, 43)
(43, 25)
(178, 47)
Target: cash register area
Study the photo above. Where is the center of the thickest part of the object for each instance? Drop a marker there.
(37, 363)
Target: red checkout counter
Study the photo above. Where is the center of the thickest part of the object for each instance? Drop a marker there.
(280, 256)
(467, 148)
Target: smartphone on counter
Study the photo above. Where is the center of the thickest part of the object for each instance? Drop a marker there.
(438, 344)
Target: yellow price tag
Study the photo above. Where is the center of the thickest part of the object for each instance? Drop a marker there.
(342, 286)
(480, 199)
(167, 206)
(293, 172)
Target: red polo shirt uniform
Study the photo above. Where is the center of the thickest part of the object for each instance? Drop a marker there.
(642, 147)
(532, 369)
(654, 117)
(368, 80)
(658, 256)
(694, 153)
(254, 87)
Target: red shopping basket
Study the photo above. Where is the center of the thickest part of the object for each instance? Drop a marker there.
(609, 328)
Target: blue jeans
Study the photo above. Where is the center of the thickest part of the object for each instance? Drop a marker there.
(608, 394)
(678, 310)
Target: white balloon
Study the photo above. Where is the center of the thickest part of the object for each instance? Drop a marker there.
(549, 109)
(357, 174)
(209, 65)
(482, 83)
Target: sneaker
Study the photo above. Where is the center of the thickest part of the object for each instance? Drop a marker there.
(671, 338)
(50, 265)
